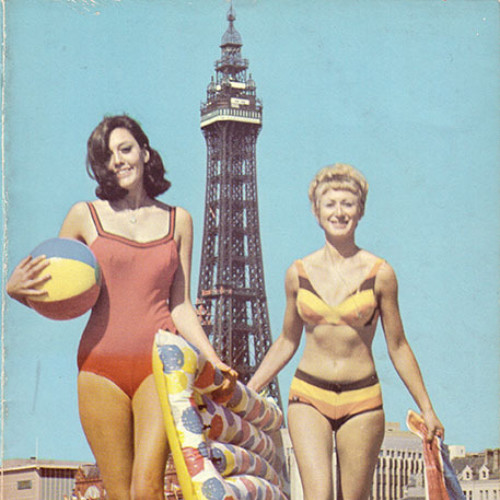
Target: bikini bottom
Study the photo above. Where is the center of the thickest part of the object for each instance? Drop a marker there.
(338, 402)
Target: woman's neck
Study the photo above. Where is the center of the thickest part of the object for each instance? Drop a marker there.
(340, 249)
(134, 200)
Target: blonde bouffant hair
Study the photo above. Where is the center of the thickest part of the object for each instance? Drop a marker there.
(338, 176)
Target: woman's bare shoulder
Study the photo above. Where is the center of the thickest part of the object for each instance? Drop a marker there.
(383, 271)
(80, 212)
(79, 208)
(385, 278)
(182, 217)
(77, 222)
(163, 206)
(369, 257)
(180, 212)
(292, 277)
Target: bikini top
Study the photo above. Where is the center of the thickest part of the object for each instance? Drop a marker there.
(359, 309)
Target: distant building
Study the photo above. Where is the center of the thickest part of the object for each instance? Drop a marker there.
(33, 479)
(89, 485)
(415, 489)
(400, 465)
(478, 473)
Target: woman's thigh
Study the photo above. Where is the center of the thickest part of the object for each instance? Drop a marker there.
(312, 440)
(358, 443)
(150, 442)
(106, 416)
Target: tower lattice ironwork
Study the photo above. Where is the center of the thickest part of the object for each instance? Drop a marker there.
(232, 301)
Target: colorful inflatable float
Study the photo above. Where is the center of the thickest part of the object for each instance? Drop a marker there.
(441, 483)
(224, 447)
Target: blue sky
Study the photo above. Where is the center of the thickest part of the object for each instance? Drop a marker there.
(408, 92)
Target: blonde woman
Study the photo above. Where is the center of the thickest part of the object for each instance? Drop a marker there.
(336, 295)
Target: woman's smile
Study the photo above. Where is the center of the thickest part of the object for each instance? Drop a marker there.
(126, 159)
(123, 171)
(338, 211)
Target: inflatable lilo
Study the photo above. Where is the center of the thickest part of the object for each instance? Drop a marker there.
(222, 446)
(441, 483)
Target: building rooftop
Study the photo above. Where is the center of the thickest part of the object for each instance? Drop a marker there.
(30, 463)
(477, 462)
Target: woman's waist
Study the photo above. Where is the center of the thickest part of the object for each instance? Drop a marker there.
(338, 369)
(130, 305)
(129, 321)
(334, 385)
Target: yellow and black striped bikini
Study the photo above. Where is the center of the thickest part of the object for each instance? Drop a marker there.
(338, 402)
(360, 308)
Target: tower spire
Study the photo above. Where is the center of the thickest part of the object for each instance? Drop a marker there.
(232, 301)
(230, 14)
(231, 35)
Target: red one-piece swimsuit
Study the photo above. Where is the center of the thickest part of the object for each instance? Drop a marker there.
(133, 305)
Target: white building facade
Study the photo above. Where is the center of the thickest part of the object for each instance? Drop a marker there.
(34, 479)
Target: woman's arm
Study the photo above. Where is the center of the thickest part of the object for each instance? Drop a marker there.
(25, 281)
(400, 352)
(76, 222)
(285, 346)
(183, 312)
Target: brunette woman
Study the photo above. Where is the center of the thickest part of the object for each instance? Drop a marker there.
(144, 249)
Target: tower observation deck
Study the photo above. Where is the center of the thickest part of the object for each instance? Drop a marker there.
(231, 300)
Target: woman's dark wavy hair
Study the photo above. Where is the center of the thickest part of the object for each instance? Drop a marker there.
(98, 155)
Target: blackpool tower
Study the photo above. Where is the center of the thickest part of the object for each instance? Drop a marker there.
(231, 300)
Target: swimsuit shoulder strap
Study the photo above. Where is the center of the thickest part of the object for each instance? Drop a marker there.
(299, 265)
(375, 268)
(304, 281)
(95, 218)
(171, 230)
(303, 276)
(369, 282)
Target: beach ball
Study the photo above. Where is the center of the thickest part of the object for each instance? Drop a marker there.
(75, 279)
